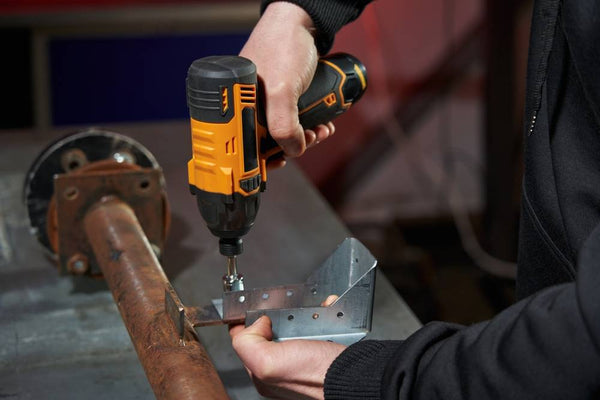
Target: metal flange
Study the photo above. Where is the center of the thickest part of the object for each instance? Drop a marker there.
(77, 170)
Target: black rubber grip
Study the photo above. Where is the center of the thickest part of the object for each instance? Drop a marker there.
(335, 86)
(339, 81)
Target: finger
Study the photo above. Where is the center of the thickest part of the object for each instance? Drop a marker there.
(252, 345)
(322, 132)
(310, 137)
(332, 298)
(235, 330)
(259, 331)
(331, 127)
(261, 328)
(278, 163)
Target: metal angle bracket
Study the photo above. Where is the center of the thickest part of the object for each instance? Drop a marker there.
(298, 311)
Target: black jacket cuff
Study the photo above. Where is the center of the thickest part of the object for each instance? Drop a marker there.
(328, 17)
(357, 372)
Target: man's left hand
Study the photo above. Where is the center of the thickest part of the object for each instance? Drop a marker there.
(293, 369)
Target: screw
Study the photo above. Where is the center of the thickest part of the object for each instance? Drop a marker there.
(73, 159)
(78, 264)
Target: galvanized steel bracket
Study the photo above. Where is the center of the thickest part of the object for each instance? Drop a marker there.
(298, 311)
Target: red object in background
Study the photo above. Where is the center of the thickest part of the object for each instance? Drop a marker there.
(37, 6)
(400, 43)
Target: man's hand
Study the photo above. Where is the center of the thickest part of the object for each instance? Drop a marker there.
(294, 369)
(283, 49)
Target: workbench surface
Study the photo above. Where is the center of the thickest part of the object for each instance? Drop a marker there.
(61, 337)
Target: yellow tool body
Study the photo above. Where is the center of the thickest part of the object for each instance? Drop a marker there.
(230, 141)
(222, 162)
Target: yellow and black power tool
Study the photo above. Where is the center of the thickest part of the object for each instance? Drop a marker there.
(231, 144)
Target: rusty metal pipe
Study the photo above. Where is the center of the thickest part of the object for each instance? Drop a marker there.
(175, 369)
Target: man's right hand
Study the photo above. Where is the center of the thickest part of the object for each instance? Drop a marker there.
(283, 49)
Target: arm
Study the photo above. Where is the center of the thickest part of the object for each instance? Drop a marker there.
(546, 346)
(328, 17)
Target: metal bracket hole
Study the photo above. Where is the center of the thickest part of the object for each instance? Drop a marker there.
(71, 193)
(144, 184)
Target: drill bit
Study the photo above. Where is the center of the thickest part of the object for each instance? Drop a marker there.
(232, 281)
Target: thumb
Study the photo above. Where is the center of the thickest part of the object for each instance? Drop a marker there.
(259, 332)
(251, 341)
(283, 121)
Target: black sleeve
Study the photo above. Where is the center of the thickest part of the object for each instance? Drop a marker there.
(329, 16)
(546, 346)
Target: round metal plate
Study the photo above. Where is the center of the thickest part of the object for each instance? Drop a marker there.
(67, 154)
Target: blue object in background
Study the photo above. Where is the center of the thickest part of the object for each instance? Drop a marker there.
(117, 79)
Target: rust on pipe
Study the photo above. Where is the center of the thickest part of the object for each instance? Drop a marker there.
(176, 369)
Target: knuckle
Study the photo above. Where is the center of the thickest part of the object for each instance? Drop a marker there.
(237, 343)
(265, 368)
(282, 89)
(289, 139)
(285, 133)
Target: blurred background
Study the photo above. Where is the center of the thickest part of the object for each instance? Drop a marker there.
(425, 170)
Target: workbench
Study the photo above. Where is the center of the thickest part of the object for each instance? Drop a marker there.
(61, 337)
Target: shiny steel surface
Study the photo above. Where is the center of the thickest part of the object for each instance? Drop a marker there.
(297, 311)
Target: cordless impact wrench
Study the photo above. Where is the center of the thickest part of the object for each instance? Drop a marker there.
(231, 144)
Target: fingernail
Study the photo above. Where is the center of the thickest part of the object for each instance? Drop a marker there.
(311, 137)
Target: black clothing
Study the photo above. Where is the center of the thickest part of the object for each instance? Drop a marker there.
(546, 346)
(328, 17)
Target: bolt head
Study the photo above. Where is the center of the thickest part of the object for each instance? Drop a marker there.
(78, 264)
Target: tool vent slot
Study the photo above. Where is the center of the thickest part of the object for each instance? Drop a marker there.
(248, 94)
(224, 100)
